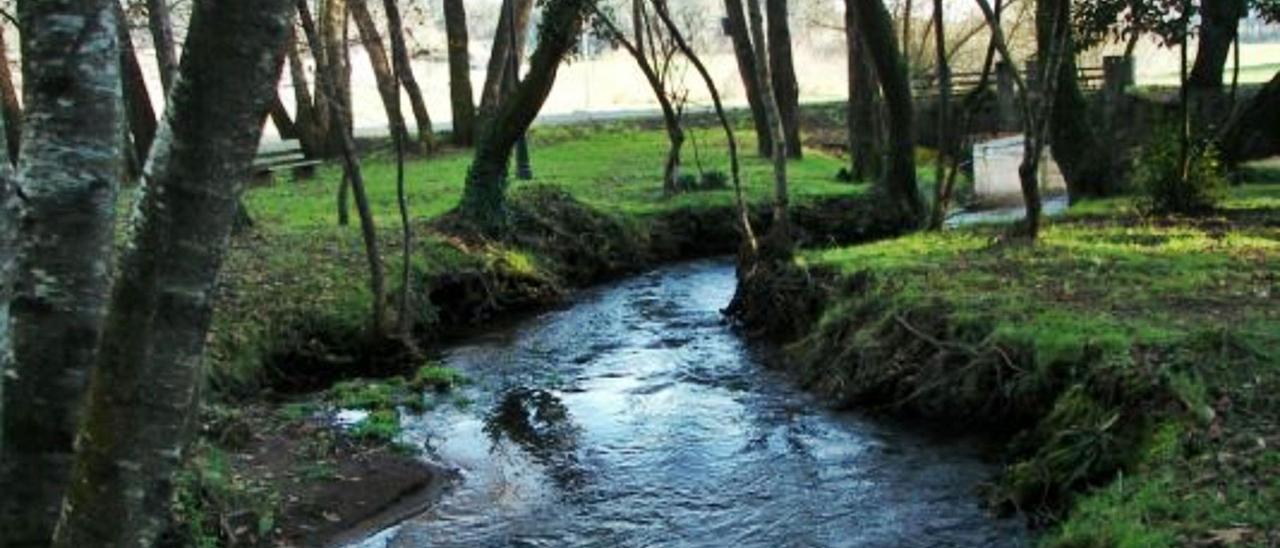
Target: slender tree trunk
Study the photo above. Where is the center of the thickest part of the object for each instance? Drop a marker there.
(864, 131)
(142, 116)
(907, 14)
(8, 256)
(636, 47)
(388, 88)
(736, 20)
(333, 54)
(484, 197)
(404, 320)
(941, 198)
(162, 39)
(1219, 23)
(782, 70)
(899, 179)
(10, 107)
(462, 98)
(320, 128)
(777, 243)
(144, 394)
(69, 174)
(750, 247)
(310, 135)
(400, 58)
(492, 94)
(1082, 156)
(340, 114)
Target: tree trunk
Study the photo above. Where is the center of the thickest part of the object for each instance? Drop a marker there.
(462, 98)
(750, 246)
(492, 95)
(782, 70)
(332, 55)
(388, 88)
(899, 179)
(320, 127)
(484, 197)
(400, 57)
(1253, 132)
(280, 118)
(310, 135)
(941, 198)
(142, 116)
(777, 243)
(1084, 159)
(144, 395)
(736, 22)
(10, 107)
(636, 47)
(8, 256)
(864, 131)
(1219, 22)
(69, 174)
(162, 39)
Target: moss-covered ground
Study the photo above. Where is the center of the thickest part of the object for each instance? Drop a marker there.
(1134, 362)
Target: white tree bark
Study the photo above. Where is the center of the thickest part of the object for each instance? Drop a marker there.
(67, 180)
(144, 393)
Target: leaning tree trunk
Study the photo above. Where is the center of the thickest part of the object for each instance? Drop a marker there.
(10, 107)
(1084, 159)
(144, 394)
(777, 243)
(637, 48)
(400, 57)
(750, 246)
(863, 129)
(782, 71)
(461, 96)
(68, 178)
(1253, 132)
(310, 135)
(142, 116)
(162, 39)
(8, 254)
(492, 95)
(1219, 23)
(736, 25)
(485, 195)
(388, 88)
(320, 127)
(899, 178)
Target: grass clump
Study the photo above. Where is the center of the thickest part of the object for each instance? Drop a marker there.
(213, 506)
(436, 377)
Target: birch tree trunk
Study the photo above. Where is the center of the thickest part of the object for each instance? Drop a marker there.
(777, 243)
(162, 39)
(68, 177)
(899, 178)
(10, 107)
(404, 74)
(144, 393)
(461, 95)
(782, 72)
(388, 87)
(736, 22)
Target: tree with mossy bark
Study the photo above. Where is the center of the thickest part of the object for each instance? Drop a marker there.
(66, 184)
(899, 174)
(777, 243)
(861, 125)
(484, 197)
(462, 100)
(144, 393)
(736, 26)
(508, 41)
(1085, 159)
(782, 74)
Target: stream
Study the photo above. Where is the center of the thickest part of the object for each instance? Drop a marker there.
(638, 417)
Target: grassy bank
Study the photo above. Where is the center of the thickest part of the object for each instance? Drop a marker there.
(1133, 362)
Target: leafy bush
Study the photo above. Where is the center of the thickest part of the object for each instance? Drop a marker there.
(687, 182)
(1158, 175)
(715, 180)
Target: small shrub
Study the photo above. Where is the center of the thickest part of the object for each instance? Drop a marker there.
(437, 377)
(715, 180)
(687, 182)
(381, 426)
(1158, 176)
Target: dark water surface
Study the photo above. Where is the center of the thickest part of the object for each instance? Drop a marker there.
(637, 417)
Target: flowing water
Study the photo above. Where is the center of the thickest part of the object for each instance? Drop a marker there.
(637, 417)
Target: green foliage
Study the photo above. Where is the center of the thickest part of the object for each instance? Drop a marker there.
(212, 502)
(1159, 175)
(437, 377)
(714, 180)
(382, 426)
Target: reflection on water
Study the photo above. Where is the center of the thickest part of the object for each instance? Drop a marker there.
(638, 418)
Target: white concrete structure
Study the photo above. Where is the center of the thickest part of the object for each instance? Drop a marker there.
(995, 171)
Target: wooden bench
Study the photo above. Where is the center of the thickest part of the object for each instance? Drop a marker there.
(281, 156)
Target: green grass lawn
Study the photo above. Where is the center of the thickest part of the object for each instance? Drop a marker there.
(1156, 340)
